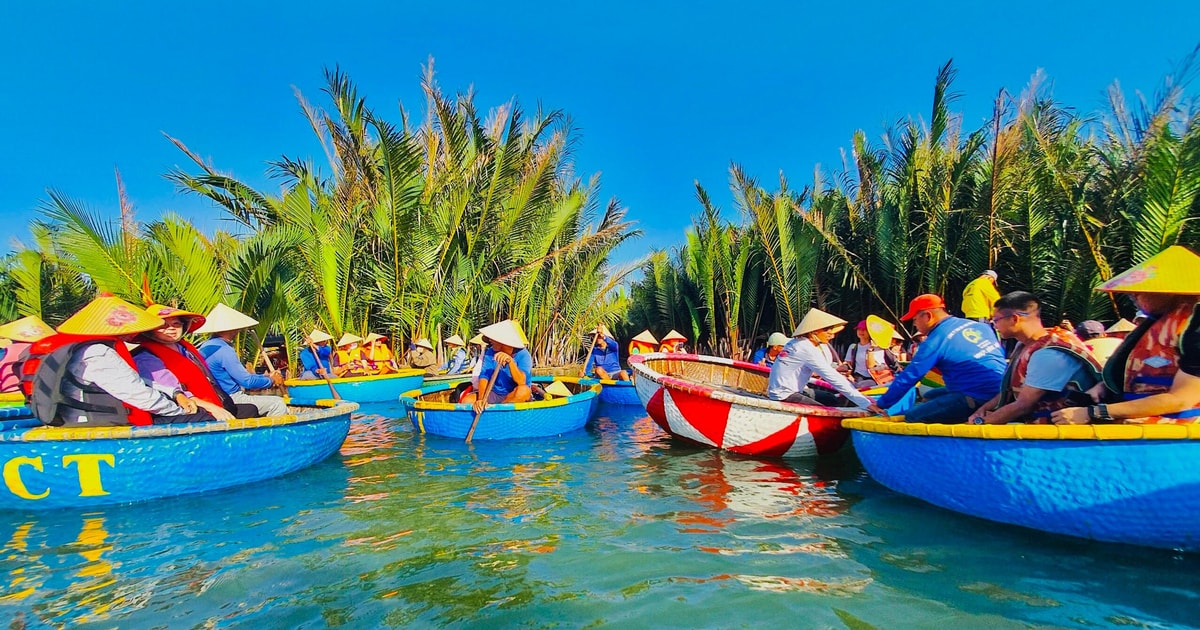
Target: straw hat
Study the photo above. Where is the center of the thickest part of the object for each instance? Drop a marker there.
(372, 338)
(348, 339)
(602, 330)
(646, 337)
(506, 332)
(478, 339)
(1122, 326)
(1169, 271)
(195, 320)
(109, 316)
(777, 339)
(317, 336)
(454, 340)
(815, 320)
(28, 329)
(674, 336)
(421, 343)
(558, 389)
(224, 319)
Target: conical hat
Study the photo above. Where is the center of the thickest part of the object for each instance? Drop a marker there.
(506, 332)
(348, 339)
(646, 337)
(195, 320)
(317, 336)
(1122, 326)
(109, 316)
(421, 343)
(880, 330)
(815, 320)
(478, 339)
(223, 319)
(454, 340)
(372, 338)
(674, 336)
(5, 342)
(602, 330)
(1169, 271)
(28, 329)
(777, 339)
(558, 389)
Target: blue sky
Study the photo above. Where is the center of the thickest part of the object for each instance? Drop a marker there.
(664, 93)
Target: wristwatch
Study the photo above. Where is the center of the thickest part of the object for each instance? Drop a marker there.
(1099, 413)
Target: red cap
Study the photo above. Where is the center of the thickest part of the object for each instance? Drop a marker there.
(921, 303)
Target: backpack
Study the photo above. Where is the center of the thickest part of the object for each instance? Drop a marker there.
(44, 371)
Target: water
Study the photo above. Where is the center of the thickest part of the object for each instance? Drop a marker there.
(611, 526)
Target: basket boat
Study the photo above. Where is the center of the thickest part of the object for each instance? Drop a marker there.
(360, 389)
(51, 467)
(445, 378)
(615, 392)
(1123, 483)
(723, 404)
(430, 410)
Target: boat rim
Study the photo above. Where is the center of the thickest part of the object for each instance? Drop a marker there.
(408, 372)
(1035, 432)
(412, 399)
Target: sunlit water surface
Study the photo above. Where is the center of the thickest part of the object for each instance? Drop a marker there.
(612, 525)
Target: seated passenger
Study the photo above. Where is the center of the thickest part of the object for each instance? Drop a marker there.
(966, 352)
(1154, 377)
(644, 343)
(605, 359)
(802, 358)
(378, 356)
(766, 356)
(506, 360)
(314, 367)
(1096, 340)
(421, 356)
(348, 361)
(85, 377)
(1049, 369)
(223, 325)
(869, 365)
(456, 359)
(673, 342)
(477, 360)
(22, 334)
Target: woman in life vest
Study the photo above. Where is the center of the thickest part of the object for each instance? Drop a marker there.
(22, 334)
(175, 367)
(1154, 376)
(348, 361)
(84, 376)
(378, 356)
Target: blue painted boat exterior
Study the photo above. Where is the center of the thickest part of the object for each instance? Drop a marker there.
(49, 467)
(619, 393)
(360, 389)
(1135, 484)
(503, 421)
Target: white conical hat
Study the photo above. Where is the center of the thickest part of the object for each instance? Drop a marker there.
(421, 343)
(1122, 326)
(646, 337)
(815, 320)
(602, 330)
(505, 332)
(454, 340)
(349, 338)
(373, 337)
(317, 336)
(478, 339)
(674, 336)
(558, 389)
(777, 339)
(223, 319)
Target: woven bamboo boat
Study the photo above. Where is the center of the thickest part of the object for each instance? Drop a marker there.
(360, 389)
(614, 392)
(430, 410)
(445, 378)
(51, 467)
(723, 403)
(1124, 483)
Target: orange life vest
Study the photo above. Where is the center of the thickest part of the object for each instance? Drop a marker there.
(1014, 376)
(1150, 358)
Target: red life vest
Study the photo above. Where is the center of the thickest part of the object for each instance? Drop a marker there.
(1151, 360)
(46, 368)
(1014, 376)
(191, 369)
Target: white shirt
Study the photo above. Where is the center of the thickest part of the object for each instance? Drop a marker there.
(861, 352)
(100, 365)
(797, 363)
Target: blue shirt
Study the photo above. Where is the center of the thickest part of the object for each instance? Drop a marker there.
(607, 359)
(231, 375)
(966, 352)
(761, 354)
(1052, 369)
(456, 363)
(505, 384)
(309, 364)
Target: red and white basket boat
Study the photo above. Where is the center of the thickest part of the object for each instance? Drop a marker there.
(723, 403)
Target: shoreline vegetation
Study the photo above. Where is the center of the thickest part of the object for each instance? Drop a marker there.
(442, 227)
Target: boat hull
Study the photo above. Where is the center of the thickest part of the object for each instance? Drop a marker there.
(502, 421)
(1136, 484)
(360, 389)
(619, 393)
(47, 467)
(700, 406)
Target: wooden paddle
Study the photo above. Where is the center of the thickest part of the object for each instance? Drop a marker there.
(588, 358)
(486, 392)
(262, 353)
(317, 358)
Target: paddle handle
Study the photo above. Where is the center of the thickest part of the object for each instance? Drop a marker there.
(588, 358)
(486, 393)
(317, 358)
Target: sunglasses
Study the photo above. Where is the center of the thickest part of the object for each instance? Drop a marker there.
(1000, 318)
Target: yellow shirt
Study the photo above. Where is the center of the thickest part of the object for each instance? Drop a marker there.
(979, 297)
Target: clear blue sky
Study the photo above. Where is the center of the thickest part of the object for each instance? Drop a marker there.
(664, 93)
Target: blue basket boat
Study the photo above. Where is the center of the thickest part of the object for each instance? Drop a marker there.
(430, 410)
(360, 389)
(50, 467)
(1127, 483)
(618, 392)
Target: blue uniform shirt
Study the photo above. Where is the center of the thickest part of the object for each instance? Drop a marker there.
(966, 352)
(456, 363)
(761, 354)
(505, 384)
(309, 364)
(231, 375)
(607, 359)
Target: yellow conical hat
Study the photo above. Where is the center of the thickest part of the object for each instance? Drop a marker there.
(506, 332)
(674, 336)
(1122, 326)
(28, 329)
(195, 320)
(815, 320)
(478, 339)
(317, 336)
(1169, 271)
(646, 337)
(454, 340)
(880, 330)
(109, 316)
(558, 389)
(224, 319)
(348, 338)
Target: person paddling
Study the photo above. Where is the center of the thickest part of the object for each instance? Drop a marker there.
(506, 360)
(315, 367)
(223, 325)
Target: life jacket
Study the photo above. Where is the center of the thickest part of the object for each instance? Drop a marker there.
(377, 357)
(1065, 341)
(192, 372)
(46, 369)
(1150, 359)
